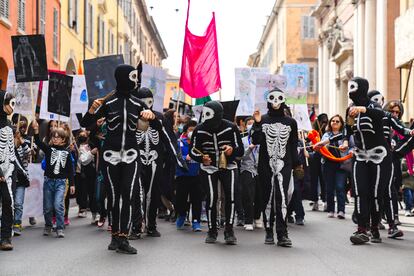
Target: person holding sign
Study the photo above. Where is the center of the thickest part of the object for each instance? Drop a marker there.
(121, 162)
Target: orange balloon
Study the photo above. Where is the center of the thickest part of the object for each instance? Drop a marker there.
(314, 137)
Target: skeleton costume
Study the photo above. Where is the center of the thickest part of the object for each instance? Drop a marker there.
(372, 167)
(8, 164)
(277, 136)
(209, 138)
(152, 144)
(121, 163)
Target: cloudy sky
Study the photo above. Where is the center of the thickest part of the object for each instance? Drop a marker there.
(239, 27)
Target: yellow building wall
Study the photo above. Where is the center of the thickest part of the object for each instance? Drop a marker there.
(170, 87)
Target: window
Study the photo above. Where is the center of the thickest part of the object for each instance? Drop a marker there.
(42, 16)
(308, 27)
(109, 42)
(21, 21)
(73, 14)
(55, 33)
(4, 8)
(102, 37)
(89, 26)
(311, 80)
(112, 43)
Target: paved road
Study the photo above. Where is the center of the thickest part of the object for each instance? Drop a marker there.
(321, 247)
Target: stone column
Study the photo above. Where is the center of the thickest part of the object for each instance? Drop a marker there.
(382, 50)
(326, 79)
(359, 30)
(370, 64)
(320, 75)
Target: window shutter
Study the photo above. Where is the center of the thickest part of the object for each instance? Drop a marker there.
(70, 13)
(311, 27)
(55, 33)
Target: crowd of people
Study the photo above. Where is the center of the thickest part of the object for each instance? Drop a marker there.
(129, 165)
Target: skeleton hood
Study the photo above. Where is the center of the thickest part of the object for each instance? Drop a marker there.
(376, 96)
(5, 99)
(276, 102)
(126, 78)
(146, 96)
(212, 115)
(358, 91)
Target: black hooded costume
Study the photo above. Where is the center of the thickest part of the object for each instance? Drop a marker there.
(121, 162)
(372, 166)
(208, 138)
(277, 136)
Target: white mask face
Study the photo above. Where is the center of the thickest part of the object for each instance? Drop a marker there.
(378, 99)
(208, 114)
(276, 98)
(148, 101)
(352, 86)
(133, 76)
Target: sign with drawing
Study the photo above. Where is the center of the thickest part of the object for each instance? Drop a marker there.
(59, 94)
(154, 78)
(29, 56)
(264, 84)
(23, 92)
(79, 101)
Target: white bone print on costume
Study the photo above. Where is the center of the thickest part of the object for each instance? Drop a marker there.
(58, 158)
(148, 137)
(7, 155)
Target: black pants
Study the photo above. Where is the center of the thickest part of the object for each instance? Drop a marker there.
(370, 182)
(295, 204)
(188, 186)
(391, 192)
(6, 198)
(85, 188)
(228, 179)
(317, 178)
(123, 183)
(251, 197)
(276, 199)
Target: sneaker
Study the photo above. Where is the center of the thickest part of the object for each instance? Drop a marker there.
(284, 241)
(248, 227)
(258, 223)
(359, 237)
(203, 217)
(95, 218)
(211, 236)
(269, 239)
(125, 248)
(290, 219)
(114, 243)
(408, 214)
(17, 229)
(394, 232)
(134, 235)
(101, 222)
(229, 237)
(6, 244)
(315, 206)
(397, 221)
(47, 231)
(300, 221)
(381, 226)
(66, 221)
(196, 226)
(32, 221)
(187, 222)
(341, 215)
(375, 236)
(331, 215)
(60, 233)
(179, 223)
(82, 214)
(153, 233)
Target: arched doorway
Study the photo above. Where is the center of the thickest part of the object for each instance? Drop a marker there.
(71, 67)
(4, 72)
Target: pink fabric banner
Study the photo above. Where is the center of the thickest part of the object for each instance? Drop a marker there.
(200, 72)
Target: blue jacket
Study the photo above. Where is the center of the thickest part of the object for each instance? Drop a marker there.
(193, 166)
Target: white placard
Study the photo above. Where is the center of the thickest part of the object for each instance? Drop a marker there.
(21, 90)
(301, 115)
(154, 78)
(404, 38)
(264, 84)
(79, 100)
(197, 110)
(44, 114)
(33, 198)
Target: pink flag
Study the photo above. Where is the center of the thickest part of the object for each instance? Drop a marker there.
(200, 73)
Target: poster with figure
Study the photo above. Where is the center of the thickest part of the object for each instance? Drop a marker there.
(245, 89)
(99, 75)
(59, 94)
(44, 113)
(23, 94)
(264, 84)
(33, 198)
(301, 115)
(79, 100)
(154, 78)
(29, 56)
(297, 76)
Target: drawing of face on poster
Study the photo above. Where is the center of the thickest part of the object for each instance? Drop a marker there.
(277, 81)
(23, 93)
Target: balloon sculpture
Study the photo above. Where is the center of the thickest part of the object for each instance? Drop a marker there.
(314, 137)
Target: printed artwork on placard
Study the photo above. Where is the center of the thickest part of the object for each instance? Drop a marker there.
(23, 92)
(99, 75)
(297, 83)
(29, 56)
(79, 102)
(59, 94)
(264, 84)
(154, 78)
(301, 115)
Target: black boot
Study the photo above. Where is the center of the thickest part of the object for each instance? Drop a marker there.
(124, 246)
(229, 236)
(114, 243)
(6, 244)
(153, 232)
(135, 234)
(269, 239)
(211, 236)
(283, 240)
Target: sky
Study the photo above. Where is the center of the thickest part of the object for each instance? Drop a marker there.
(239, 24)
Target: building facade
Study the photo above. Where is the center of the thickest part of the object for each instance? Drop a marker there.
(23, 17)
(290, 37)
(356, 38)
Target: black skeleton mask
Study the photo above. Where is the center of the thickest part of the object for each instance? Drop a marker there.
(7, 103)
(212, 114)
(358, 91)
(126, 79)
(376, 97)
(146, 96)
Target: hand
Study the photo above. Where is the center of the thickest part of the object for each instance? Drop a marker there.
(72, 190)
(35, 127)
(2, 179)
(412, 132)
(100, 121)
(251, 146)
(188, 158)
(319, 145)
(72, 147)
(206, 160)
(343, 148)
(257, 116)
(95, 105)
(228, 150)
(94, 151)
(306, 153)
(147, 115)
(355, 110)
